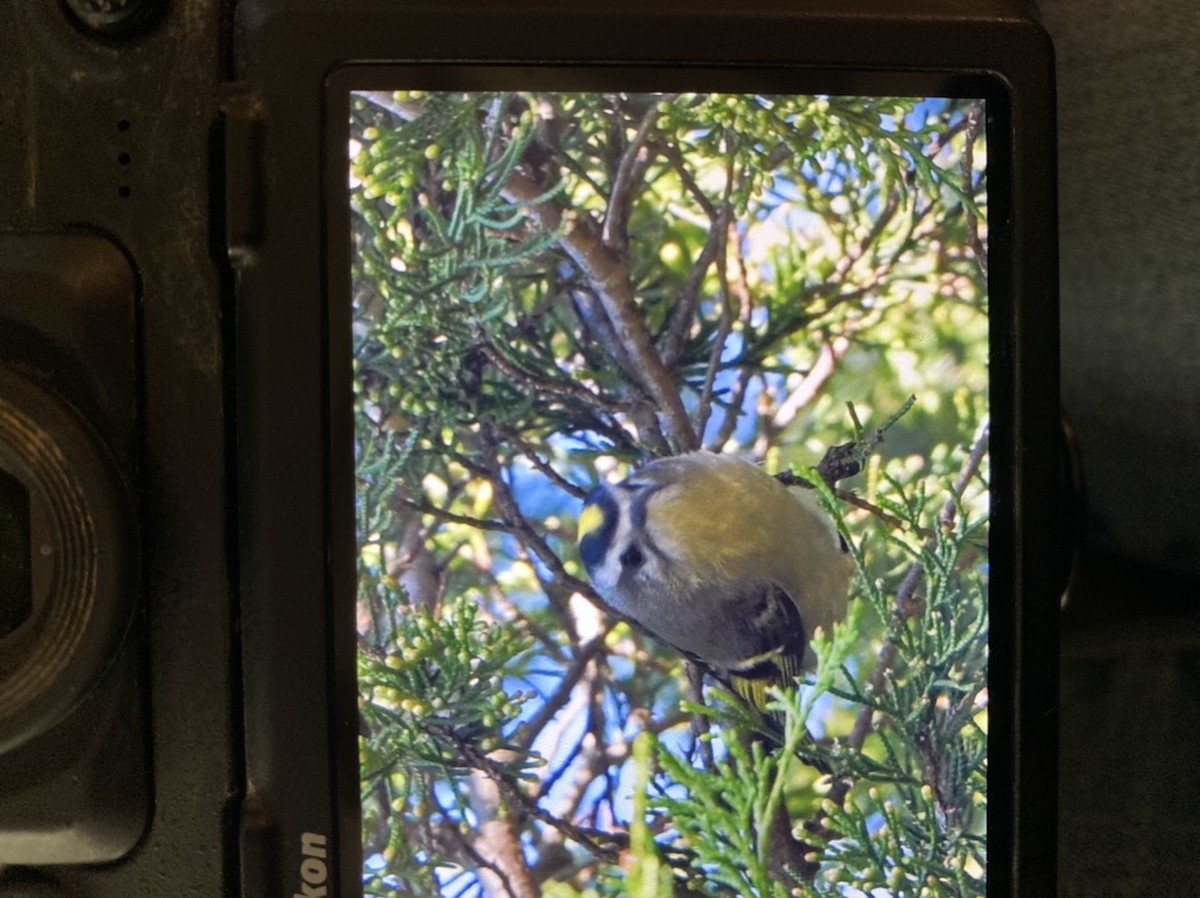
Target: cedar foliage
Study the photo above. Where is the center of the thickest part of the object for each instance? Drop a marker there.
(552, 288)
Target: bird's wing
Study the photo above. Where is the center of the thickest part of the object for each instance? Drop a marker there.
(772, 625)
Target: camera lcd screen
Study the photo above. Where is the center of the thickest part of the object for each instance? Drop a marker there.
(582, 671)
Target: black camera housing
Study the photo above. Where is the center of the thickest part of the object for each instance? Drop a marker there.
(175, 174)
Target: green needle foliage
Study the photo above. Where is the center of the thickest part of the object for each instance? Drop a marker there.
(443, 690)
(551, 288)
(432, 711)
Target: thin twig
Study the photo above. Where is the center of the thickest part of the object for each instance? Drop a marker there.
(503, 780)
(699, 723)
(470, 851)
(543, 466)
(732, 411)
(675, 156)
(599, 329)
(613, 230)
(808, 390)
(549, 385)
(890, 519)
(683, 310)
(610, 278)
(450, 517)
(562, 693)
(873, 234)
(978, 250)
(724, 328)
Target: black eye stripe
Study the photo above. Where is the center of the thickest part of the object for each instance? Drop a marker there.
(637, 506)
(613, 505)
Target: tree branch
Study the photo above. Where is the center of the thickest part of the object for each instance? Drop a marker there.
(620, 198)
(495, 772)
(978, 250)
(550, 386)
(809, 388)
(684, 309)
(562, 693)
(610, 278)
(497, 842)
(724, 328)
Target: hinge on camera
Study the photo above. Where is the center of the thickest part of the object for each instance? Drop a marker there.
(243, 196)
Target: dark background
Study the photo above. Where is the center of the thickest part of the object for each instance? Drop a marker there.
(1129, 170)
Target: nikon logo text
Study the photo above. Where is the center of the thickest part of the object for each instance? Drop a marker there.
(313, 871)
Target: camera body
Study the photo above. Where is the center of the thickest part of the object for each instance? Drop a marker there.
(164, 324)
(112, 344)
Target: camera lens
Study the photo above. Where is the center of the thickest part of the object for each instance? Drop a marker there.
(115, 19)
(65, 562)
(16, 579)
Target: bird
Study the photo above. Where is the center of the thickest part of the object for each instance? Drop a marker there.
(713, 556)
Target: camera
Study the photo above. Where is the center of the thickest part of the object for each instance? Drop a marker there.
(321, 320)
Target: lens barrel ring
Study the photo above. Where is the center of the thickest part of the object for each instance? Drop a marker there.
(82, 560)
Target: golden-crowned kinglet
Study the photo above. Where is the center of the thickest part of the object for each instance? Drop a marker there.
(715, 557)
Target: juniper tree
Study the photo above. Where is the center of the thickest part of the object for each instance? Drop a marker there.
(551, 288)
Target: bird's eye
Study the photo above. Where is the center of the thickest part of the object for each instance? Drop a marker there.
(632, 558)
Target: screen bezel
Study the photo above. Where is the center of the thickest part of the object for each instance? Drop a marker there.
(295, 522)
